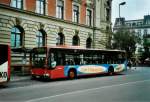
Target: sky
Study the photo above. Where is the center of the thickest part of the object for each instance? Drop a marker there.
(132, 10)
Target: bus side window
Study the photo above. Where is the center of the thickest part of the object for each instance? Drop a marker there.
(61, 59)
(81, 59)
(104, 59)
(77, 59)
(119, 58)
(85, 59)
(71, 62)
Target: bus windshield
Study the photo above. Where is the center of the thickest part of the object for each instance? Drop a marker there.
(38, 57)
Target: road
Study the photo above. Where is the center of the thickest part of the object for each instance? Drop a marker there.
(130, 86)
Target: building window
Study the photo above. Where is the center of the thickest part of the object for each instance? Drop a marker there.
(107, 14)
(76, 40)
(60, 9)
(139, 24)
(89, 17)
(134, 24)
(129, 24)
(76, 13)
(139, 32)
(40, 6)
(108, 4)
(89, 42)
(17, 4)
(16, 37)
(145, 31)
(40, 38)
(60, 39)
(107, 29)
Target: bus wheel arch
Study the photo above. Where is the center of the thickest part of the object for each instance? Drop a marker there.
(72, 73)
(110, 70)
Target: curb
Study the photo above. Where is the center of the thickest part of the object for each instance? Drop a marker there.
(137, 68)
(18, 78)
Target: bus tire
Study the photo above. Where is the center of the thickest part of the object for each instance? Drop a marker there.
(72, 74)
(33, 77)
(110, 70)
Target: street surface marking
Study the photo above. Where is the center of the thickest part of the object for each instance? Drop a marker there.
(85, 90)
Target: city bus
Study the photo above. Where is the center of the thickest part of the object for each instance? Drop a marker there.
(73, 61)
(4, 63)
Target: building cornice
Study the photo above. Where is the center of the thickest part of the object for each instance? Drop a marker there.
(134, 20)
(133, 27)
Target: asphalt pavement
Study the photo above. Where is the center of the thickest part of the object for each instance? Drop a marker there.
(130, 86)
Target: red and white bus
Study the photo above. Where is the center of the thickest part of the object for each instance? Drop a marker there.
(73, 61)
(4, 63)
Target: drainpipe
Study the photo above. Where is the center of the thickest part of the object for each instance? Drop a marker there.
(94, 19)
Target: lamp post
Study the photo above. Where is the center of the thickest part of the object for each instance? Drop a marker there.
(122, 3)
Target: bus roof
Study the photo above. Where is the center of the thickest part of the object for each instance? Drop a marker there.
(80, 48)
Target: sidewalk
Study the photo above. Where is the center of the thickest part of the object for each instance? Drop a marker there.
(14, 78)
(137, 68)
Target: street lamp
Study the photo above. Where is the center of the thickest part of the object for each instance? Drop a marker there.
(122, 3)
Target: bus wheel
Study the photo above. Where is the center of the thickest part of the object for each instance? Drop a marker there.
(110, 70)
(72, 74)
(33, 77)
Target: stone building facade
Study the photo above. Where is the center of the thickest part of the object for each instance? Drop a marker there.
(25, 24)
(141, 27)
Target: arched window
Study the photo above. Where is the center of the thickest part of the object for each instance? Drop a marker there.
(40, 38)
(60, 39)
(76, 40)
(16, 37)
(89, 42)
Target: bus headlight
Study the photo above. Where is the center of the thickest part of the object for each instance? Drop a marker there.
(46, 74)
(32, 73)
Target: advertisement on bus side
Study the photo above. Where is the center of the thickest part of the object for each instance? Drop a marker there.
(4, 72)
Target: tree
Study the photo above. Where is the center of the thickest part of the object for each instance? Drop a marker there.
(126, 40)
(145, 54)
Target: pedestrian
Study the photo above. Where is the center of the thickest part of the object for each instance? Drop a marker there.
(137, 62)
(129, 64)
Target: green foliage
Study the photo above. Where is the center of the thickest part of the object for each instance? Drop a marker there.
(126, 40)
(146, 41)
(146, 44)
(145, 55)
